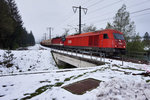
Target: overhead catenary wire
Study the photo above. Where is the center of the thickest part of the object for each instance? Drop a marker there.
(73, 14)
(70, 19)
(140, 11)
(132, 13)
(67, 19)
(103, 21)
(86, 2)
(109, 5)
(108, 13)
(106, 6)
(139, 4)
(100, 1)
(140, 15)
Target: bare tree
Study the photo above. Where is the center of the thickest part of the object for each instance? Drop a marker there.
(89, 28)
(66, 33)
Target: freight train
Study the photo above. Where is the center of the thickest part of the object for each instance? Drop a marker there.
(107, 41)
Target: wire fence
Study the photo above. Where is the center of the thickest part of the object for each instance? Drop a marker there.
(144, 56)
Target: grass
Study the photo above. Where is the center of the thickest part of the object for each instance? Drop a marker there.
(37, 92)
(102, 69)
(46, 81)
(56, 79)
(147, 81)
(58, 84)
(78, 76)
(68, 79)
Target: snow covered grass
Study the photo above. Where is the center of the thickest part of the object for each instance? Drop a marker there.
(118, 82)
(117, 89)
(48, 85)
(29, 60)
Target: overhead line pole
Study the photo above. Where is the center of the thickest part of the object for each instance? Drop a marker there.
(50, 31)
(79, 19)
(75, 10)
(45, 36)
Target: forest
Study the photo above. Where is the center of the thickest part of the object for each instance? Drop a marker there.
(12, 33)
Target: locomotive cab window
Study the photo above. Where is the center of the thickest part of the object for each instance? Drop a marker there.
(105, 36)
(118, 36)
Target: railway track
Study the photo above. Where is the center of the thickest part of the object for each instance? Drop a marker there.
(97, 53)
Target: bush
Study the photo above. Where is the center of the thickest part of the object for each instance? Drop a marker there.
(8, 58)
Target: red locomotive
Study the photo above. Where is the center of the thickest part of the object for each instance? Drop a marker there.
(107, 41)
(110, 41)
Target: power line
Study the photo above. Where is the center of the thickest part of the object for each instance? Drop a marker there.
(113, 12)
(103, 20)
(114, 3)
(95, 3)
(141, 15)
(140, 11)
(132, 13)
(67, 19)
(105, 7)
(139, 4)
(86, 2)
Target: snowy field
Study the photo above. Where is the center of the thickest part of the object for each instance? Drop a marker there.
(30, 60)
(117, 82)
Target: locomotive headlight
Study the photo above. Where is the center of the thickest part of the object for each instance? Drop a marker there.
(124, 46)
(115, 46)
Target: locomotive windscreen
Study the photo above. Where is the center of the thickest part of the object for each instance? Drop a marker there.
(118, 36)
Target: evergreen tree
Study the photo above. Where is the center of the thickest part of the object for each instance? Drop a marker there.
(146, 39)
(15, 37)
(6, 24)
(12, 33)
(31, 40)
(136, 44)
(14, 12)
(8, 58)
(122, 22)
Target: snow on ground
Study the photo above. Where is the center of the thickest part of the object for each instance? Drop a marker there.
(117, 82)
(29, 60)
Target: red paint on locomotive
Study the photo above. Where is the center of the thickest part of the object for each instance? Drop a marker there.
(101, 39)
(57, 41)
(104, 39)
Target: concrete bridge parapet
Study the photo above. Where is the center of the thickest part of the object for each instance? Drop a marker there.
(67, 60)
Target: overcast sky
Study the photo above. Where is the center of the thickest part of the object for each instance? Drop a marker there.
(38, 15)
